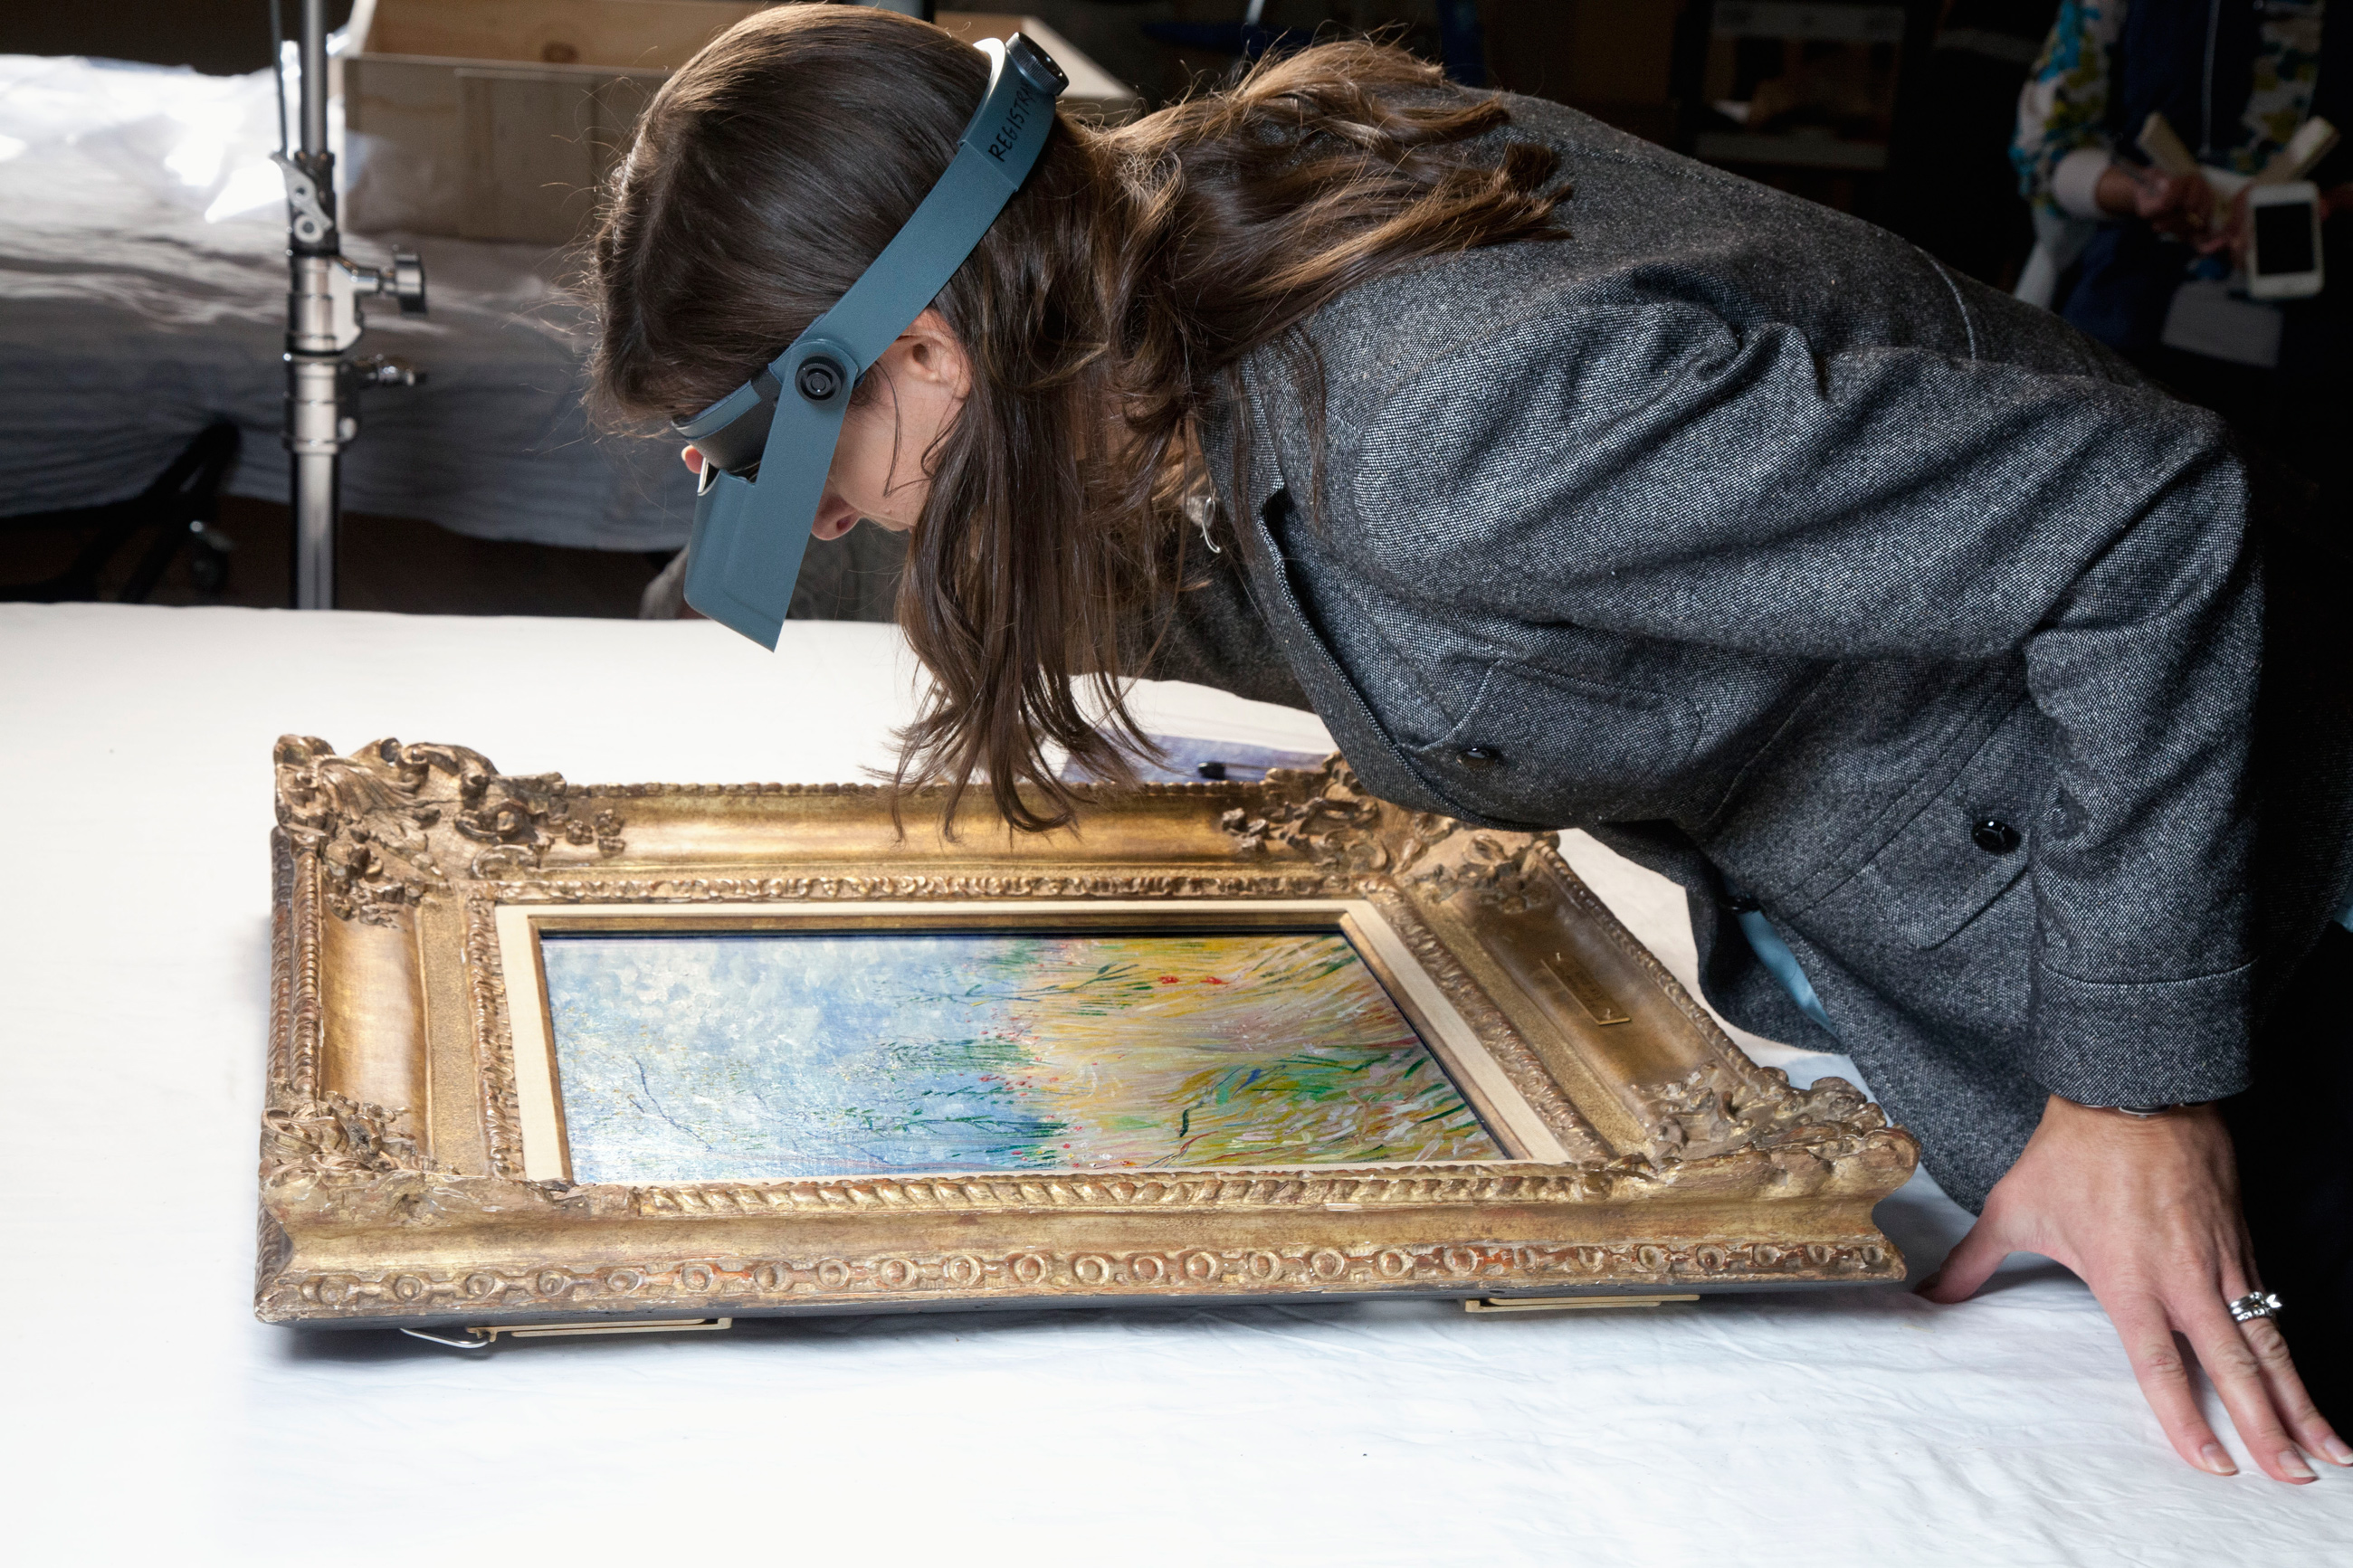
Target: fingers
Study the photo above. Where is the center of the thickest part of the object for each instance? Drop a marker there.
(2238, 1375)
(2288, 1396)
(2164, 1378)
(2234, 229)
(1970, 1264)
(2176, 202)
(2158, 199)
(2276, 1366)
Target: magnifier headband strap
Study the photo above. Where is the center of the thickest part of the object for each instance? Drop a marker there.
(996, 154)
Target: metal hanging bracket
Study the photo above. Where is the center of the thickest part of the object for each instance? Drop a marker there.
(481, 1336)
(1567, 1303)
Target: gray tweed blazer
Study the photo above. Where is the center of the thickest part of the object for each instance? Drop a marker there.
(1748, 537)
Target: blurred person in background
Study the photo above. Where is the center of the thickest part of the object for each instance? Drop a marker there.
(2234, 80)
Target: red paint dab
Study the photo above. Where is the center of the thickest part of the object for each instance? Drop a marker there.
(1167, 980)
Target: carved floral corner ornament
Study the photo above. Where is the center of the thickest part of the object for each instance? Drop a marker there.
(392, 1191)
(329, 1160)
(1328, 816)
(385, 820)
(1715, 1111)
(332, 1135)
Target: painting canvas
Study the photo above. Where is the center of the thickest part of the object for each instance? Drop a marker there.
(754, 1056)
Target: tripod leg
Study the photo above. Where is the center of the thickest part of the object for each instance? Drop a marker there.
(188, 488)
(188, 495)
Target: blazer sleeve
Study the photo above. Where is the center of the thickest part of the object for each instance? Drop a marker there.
(1647, 469)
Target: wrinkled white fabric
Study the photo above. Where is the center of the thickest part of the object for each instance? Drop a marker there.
(143, 295)
(153, 1419)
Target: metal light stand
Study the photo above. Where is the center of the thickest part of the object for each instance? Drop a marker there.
(324, 321)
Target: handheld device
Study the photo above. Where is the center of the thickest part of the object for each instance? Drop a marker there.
(2283, 260)
(2311, 141)
(767, 446)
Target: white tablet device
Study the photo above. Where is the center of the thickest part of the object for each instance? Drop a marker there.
(2284, 240)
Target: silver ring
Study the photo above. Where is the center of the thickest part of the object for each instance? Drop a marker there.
(2254, 1304)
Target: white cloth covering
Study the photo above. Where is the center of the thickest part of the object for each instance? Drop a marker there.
(143, 295)
(153, 1420)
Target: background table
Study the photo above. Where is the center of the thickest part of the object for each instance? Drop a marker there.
(143, 296)
(152, 1417)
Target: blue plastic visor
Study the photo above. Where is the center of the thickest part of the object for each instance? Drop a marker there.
(768, 446)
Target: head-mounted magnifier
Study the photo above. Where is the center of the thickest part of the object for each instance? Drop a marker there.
(769, 445)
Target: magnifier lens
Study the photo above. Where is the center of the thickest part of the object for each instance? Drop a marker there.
(737, 444)
(747, 470)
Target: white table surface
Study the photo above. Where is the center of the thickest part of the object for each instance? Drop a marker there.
(152, 1419)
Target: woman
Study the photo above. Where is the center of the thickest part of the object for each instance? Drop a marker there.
(1574, 484)
(2236, 84)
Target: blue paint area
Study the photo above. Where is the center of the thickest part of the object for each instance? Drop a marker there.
(687, 1058)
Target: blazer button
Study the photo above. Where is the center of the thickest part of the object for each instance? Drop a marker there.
(1994, 836)
(1479, 759)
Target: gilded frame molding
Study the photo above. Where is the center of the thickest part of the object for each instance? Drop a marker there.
(397, 1189)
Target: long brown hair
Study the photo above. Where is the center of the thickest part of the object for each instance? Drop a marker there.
(1112, 304)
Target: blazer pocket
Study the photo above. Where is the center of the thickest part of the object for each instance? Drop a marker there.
(1964, 849)
(1539, 746)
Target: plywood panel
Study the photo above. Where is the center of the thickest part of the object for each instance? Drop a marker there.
(531, 161)
(1094, 93)
(405, 151)
(499, 119)
(645, 33)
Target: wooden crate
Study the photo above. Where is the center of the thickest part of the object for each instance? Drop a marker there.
(1094, 93)
(499, 119)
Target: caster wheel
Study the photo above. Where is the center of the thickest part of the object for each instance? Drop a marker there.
(208, 566)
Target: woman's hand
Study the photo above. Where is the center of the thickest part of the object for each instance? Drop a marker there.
(2147, 1212)
(2233, 234)
(2178, 204)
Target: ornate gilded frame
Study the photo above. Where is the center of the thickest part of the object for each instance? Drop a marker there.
(1651, 1155)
